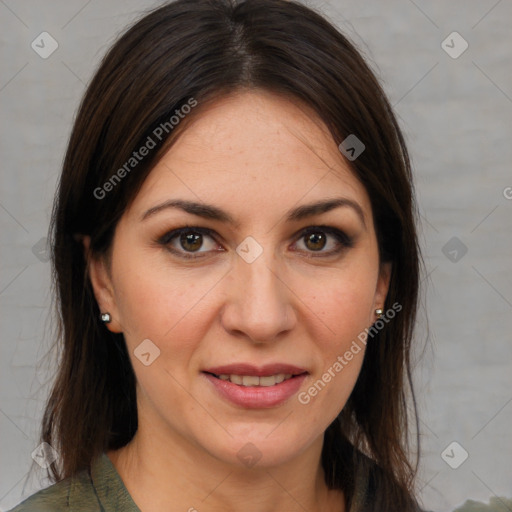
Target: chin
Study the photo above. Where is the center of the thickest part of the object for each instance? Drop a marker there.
(259, 450)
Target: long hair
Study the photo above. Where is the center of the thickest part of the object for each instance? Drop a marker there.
(203, 49)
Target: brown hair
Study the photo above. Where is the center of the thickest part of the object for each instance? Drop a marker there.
(203, 49)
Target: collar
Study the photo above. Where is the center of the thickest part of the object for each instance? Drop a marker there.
(107, 486)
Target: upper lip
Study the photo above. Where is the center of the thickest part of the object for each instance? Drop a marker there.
(259, 371)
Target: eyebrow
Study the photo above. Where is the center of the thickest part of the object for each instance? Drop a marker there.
(208, 211)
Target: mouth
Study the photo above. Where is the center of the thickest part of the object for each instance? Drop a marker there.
(254, 387)
(255, 380)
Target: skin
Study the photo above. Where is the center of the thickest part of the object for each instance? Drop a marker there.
(255, 155)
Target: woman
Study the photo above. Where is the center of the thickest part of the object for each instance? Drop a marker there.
(236, 268)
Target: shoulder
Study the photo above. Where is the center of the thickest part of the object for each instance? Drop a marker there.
(495, 505)
(65, 495)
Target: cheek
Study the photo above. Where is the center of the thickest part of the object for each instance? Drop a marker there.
(346, 312)
(344, 305)
(346, 315)
(162, 304)
(343, 301)
(170, 309)
(343, 309)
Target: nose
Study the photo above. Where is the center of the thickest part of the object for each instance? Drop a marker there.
(259, 304)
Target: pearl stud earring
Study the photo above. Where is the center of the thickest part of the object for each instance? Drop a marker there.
(106, 318)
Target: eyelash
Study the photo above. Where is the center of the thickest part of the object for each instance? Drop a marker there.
(344, 241)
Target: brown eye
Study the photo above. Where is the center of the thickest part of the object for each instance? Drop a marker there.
(315, 241)
(324, 241)
(191, 241)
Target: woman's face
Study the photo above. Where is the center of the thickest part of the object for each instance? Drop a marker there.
(216, 318)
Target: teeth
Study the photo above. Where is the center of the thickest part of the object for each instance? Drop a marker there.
(253, 380)
(250, 380)
(270, 380)
(236, 379)
(281, 376)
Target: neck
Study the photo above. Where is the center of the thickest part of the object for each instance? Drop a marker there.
(158, 472)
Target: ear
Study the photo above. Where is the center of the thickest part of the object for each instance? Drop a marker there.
(381, 291)
(101, 282)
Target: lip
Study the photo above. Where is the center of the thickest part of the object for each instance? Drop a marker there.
(259, 371)
(256, 397)
(253, 397)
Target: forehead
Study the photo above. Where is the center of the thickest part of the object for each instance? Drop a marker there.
(250, 150)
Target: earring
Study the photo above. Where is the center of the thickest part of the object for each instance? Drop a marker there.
(379, 312)
(106, 318)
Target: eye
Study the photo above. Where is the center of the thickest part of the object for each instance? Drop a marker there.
(186, 242)
(316, 238)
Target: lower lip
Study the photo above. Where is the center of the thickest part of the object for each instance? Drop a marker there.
(257, 397)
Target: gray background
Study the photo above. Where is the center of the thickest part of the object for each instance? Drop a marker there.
(457, 114)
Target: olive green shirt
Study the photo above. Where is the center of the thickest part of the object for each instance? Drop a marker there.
(102, 490)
